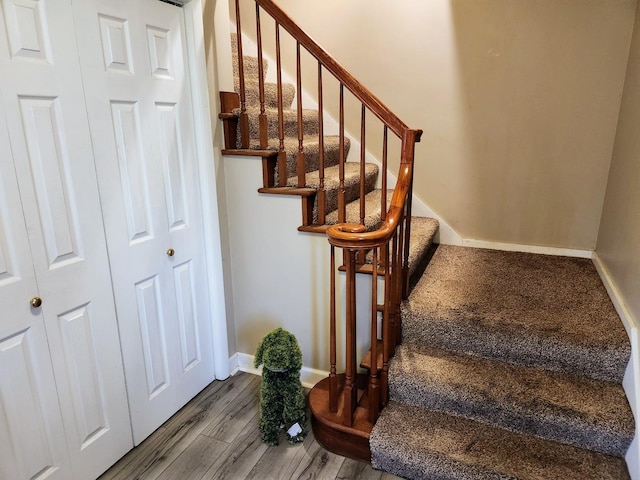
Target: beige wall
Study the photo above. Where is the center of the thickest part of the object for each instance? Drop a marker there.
(518, 99)
(619, 238)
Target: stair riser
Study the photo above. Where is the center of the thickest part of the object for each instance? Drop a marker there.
(310, 125)
(252, 94)
(352, 192)
(529, 352)
(422, 444)
(540, 422)
(312, 158)
(250, 68)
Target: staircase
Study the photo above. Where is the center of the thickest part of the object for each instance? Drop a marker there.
(510, 364)
(510, 367)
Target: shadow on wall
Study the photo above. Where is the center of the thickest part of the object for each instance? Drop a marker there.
(540, 86)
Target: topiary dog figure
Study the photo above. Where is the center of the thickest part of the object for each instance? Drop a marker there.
(282, 402)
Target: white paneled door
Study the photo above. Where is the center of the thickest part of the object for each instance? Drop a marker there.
(31, 431)
(136, 78)
(61, 354)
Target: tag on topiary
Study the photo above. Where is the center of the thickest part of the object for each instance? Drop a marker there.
(294, 430)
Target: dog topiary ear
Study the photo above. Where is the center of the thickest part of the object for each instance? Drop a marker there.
(296, 353)
(259, 353)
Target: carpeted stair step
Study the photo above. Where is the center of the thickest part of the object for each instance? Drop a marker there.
(332, 184)
(578, 411)
(290, 117)
(250, 67)
(533, 310)
(249, 62)
(419, 444)
(422, 229)
(372, 218)
(252, 93)
(311, 148)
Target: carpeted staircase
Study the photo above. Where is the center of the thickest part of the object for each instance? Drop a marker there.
(511, 363)
(510, 367)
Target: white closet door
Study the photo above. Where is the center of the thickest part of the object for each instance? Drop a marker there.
(31, 432)
(134, 63)
(43, 101)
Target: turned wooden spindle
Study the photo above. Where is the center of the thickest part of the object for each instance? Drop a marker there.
(244, 116)
(263, 122)
(300, 160)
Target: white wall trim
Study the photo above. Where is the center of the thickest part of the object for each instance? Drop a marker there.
(631, 381)
(194, 30)
(516, 247)
(243, 362)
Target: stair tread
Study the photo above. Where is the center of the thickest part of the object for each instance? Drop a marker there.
(577, 410)
(416, 443)
(372, 218)
(535, 310)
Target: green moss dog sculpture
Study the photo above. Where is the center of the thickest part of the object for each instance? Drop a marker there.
(282, 402)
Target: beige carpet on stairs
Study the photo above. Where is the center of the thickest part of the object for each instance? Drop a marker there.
(511, 367)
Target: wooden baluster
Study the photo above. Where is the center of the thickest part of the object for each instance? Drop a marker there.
(333, 379)
(322, 194)
(244, 117)
(282, 154)
(300, 160)
(350, 385)
(383, 199)
(262, 118)
(393, 268)
(362, 170)
(397, 294)
(407, 239)
(386, 331)
(342, 212)
(383, 206)
(373, 390)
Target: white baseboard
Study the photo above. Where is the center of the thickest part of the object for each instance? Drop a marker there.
(516, 247)
(631, 381)
(243, 362)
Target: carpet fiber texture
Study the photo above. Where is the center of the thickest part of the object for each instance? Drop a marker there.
(510, 367)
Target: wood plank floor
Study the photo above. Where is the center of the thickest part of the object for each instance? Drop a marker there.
(216, 436)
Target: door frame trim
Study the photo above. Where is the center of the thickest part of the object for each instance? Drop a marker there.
(194, 29)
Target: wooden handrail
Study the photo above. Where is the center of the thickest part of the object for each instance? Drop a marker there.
(346, 236)
(342, 74)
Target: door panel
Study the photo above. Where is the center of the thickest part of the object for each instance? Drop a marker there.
(42, 97)
(133, 169)
(26, 26)
(31, 430)
(133, 58)
(154, 344)
(28, 408)
(79, 341)
(49, 161)
(187, 314)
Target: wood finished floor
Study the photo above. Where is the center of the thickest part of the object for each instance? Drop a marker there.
(216, 436)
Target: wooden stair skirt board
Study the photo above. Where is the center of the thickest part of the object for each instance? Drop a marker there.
(328, 427)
